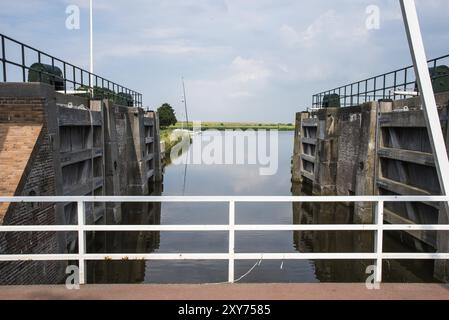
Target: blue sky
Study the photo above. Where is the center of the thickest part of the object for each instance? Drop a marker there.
(243, 60)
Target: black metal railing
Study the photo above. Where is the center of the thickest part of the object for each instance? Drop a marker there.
(382, 86)
(18, 59)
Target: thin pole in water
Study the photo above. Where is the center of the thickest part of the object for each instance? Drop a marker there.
(185, 102)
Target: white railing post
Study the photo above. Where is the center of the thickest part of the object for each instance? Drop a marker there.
(378, 243)
(231, 241)
(81, 243)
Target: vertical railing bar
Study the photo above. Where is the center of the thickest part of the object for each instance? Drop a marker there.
(81, 243)
(395, 84)
(352, 95)
(379, 212)
(23, 64)
(358, 93)
(339, 92)
(4, 58)
(65, 77)
(434, 69)
(74, 78)
(53, 68)
(231, 277)
(366, 90)
(39, 60)
(375, 89)
(405, 79)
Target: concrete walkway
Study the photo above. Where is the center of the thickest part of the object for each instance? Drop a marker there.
(322, 291)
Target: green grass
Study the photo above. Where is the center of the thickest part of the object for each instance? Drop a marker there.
(165, 136)
(238, 125)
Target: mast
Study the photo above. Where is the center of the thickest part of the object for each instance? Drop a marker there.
(185, 102)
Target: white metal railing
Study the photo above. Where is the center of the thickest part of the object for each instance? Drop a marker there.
(82, 256)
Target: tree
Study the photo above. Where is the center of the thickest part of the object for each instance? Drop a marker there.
(167, 115)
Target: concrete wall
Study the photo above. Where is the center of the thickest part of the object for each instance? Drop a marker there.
(406, 167)
(334, 150)
(82, 148)
(376, 148)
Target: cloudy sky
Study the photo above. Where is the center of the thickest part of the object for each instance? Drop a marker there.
(243, 60)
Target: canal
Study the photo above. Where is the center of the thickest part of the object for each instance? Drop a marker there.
(238, 179)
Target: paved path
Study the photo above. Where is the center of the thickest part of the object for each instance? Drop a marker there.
(231, 292)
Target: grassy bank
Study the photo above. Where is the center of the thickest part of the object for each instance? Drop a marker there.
(165, 137)
(238, 126)
(166, 134)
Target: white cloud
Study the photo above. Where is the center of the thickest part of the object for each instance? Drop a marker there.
(289, 35)
(129, 50)
(248, 70)
(321, 25)
(163, 33)
(239, 94)
(233, 88)
(242, 78)
(97, 4)
(326, 28)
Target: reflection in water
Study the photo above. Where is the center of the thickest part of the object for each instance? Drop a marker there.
(331, 241)
(243, 180)
(351, 241)
(132, 271)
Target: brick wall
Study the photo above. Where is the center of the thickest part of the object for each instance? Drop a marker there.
(22, 110)
(17, 142)
(27, 158)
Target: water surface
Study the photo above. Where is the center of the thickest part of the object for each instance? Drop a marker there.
(203, 180)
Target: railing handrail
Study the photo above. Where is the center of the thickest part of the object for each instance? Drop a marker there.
(312, 199)
(356, 89)
(81, 227)
(99, 82)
